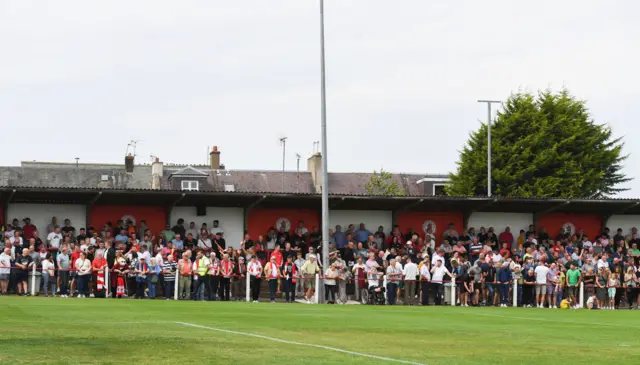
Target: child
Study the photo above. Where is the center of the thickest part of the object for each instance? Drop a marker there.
(567, 303)
(612, 284)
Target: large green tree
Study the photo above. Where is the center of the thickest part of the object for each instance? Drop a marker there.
(544, 145)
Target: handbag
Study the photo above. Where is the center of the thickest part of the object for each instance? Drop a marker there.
(154, 279)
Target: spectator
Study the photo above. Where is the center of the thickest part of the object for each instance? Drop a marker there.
(601, 286)
(169, 268)
(255, 273)
(272, 273)
(437, 278)
(289, 273)
(410, 272)
(83, 267)
(118, 277)
(5, 270)
(23, 262)
(573, 278)
(504, 279)
(240, 282)
(184, 282)
(394, 276)
(226, 271)
(330, 276)
(98, 265)
(201, 281)
(542, 274)
(141, 270)
(153, 277)
(309, 270)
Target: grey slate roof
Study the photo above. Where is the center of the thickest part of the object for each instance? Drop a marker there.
(69, 175)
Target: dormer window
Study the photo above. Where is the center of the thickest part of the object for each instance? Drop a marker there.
(189, 185)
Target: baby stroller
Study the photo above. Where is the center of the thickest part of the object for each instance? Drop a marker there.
(375, 293)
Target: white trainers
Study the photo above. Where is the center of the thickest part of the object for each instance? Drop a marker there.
(79, 296)
(91, 295)
(555, 307)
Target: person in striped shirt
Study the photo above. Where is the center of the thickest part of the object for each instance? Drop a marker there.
(169, 268)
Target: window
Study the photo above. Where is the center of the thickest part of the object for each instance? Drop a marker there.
(189, 185)
(438, 190)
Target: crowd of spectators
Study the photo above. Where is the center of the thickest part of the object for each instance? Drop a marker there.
(484, 266)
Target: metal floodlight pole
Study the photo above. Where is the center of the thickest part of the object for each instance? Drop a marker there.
(489, 102)
(323, 122)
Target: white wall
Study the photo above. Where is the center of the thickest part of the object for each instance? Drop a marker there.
(499, 221)
(41, 214)
(372, 219)
(626, 222)
(231, 221)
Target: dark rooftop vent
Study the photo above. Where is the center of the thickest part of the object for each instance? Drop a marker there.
(128, 163)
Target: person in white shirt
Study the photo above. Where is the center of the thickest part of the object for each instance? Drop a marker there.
(425, 279)
(255, 274)
(541, 272)
(16, 240)
(410, 272)
(394, 275)
(5, 270)
(438, 255)
(204, 243)
(48, 275)
(83, 265)
(437, 276)
(54, 238)
(195, 233)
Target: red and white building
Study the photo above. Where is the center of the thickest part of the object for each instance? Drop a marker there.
(254, 201)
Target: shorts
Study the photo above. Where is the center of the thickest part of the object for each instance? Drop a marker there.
(612, 292)
(23, 275)
(4, 277)
(310, 284)
(73, 274)
(571, 291)
(541, 289)
(550, 289)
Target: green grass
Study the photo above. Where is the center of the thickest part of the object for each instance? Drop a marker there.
(99, 331)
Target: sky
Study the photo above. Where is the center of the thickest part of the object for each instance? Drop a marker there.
(83, 78)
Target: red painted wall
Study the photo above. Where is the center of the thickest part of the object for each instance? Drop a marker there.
(416, 220)
(260, 220)
(553, 222)
(155, 217)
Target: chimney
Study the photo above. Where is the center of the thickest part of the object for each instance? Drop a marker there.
(214, 158)
(314, 166)
(128, 163)
(156, 174)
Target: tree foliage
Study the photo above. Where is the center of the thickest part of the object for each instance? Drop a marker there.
(544, 146)
(383, 183)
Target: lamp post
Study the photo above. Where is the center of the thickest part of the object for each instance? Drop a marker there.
(323, 123)
(489, 102)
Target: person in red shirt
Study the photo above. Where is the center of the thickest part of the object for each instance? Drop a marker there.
(28, 229)
(506, 237)
(75, 255)
(505, 252)
(278, 255)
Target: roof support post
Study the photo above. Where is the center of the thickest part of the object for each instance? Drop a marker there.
(169, 208)
(88, 206)
(247, 210)
(396, 212)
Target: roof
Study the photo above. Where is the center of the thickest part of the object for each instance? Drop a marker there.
(113, 176)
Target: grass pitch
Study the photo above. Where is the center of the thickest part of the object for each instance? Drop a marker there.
(141, 332)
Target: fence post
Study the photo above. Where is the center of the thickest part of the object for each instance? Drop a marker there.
(384, 282)
(453, 292)
(106, 282)
(317, 289)
(33, 280)
(581, 294)
(175, 286)
(515, 292)
(248, 291)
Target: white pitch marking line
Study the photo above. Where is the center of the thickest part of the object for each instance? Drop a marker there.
(301, 344)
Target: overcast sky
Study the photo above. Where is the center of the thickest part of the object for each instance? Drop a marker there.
(83, 78)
